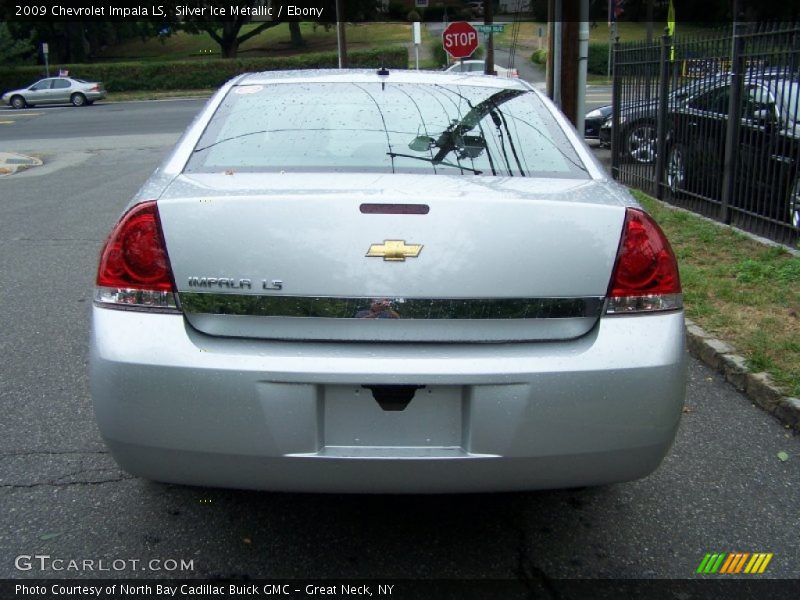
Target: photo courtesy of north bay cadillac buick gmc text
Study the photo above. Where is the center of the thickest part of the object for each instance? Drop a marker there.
(386, 281)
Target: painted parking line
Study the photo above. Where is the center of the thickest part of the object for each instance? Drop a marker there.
(7, 122)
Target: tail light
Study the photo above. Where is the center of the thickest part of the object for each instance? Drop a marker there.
(134, 270)
(645, 276)
(514, 73)
(94, 88)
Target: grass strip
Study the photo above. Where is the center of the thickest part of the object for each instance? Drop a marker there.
(742, 291)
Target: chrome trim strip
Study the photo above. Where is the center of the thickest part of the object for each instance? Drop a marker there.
(390, 308)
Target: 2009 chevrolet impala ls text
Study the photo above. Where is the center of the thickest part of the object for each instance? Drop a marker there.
(359, 281)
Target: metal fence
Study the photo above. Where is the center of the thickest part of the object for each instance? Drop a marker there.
(713, 124)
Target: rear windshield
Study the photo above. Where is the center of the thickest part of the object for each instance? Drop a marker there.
(385, 127)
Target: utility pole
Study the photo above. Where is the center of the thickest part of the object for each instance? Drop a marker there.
(341, 42)
(488, 19)
(569, 58)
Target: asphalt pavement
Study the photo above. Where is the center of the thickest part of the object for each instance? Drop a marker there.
(722, 488)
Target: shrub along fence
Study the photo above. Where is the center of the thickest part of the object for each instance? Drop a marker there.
(597, 58)
(199, 74)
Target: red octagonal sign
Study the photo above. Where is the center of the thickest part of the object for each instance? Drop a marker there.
(460, 39)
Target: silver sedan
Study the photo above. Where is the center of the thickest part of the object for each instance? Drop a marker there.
(359, 281)
(56, 90)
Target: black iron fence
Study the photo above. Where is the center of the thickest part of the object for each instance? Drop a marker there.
(713, 124)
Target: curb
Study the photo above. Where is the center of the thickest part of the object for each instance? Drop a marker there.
(759, 387)
(11, 162)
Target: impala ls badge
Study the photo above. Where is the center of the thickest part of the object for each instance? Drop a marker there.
(395, 250)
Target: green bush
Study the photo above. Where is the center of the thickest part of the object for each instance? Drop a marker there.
(539, 56)
(598, 58)
(440, 55)
(199, 74)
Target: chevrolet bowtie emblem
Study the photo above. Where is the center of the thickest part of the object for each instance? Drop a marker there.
(394, 250)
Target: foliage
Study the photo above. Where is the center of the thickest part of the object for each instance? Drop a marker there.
(15, 51)
(228, 33)
(396, 10)
(79, 41)
(596, 65)
(197, 74)
(539, 57)
(441, 58)
(598, 58)
(740, 290)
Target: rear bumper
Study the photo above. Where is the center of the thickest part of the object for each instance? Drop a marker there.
(99, 95)
(175, 405)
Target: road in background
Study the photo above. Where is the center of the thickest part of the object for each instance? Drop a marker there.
(100, 119)
(721, 489)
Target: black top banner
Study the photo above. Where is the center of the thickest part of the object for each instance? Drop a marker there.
(171, 11)
(324, 11)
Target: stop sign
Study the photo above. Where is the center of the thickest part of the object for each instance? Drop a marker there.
(460, 39)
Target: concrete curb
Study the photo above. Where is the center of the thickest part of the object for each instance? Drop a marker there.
(759, 387)
(11, 162)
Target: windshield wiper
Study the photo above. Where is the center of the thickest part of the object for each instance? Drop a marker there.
(447, 141)
(433, 161)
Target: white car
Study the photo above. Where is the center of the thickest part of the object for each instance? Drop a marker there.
(477, 67)
(350, 281)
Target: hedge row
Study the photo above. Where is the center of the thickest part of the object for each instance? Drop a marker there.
(598, 58)
(200, 74)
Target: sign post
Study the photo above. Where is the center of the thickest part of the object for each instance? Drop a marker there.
(460, 39)
(417, 32)
(45, 52)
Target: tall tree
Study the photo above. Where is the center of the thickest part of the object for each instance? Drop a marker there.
(227, 31)
(15, 51)
(78, 41)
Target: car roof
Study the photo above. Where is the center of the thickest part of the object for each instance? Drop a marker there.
(371, 76)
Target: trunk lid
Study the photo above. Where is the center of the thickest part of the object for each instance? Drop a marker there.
(285, 256)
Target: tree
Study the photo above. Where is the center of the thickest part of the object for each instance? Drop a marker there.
(77, 41)
(14, 51)
(296, 35)
(227, 31)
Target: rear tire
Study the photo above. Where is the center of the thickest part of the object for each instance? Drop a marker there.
(675, 174)
(640, 142)
(794, 203)
(18, 102)
(78, 99)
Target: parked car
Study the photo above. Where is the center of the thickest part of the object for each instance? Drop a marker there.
(594, 120)
(477, 67)
(766, 173)
(56, 90)
(638, 120)
(350, 281)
